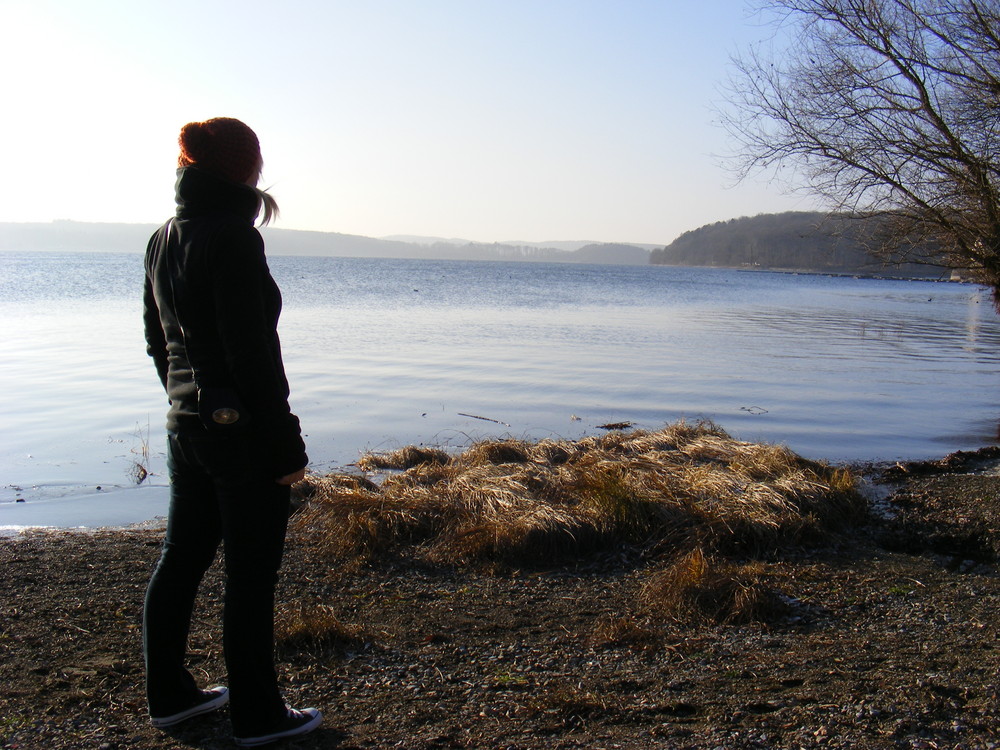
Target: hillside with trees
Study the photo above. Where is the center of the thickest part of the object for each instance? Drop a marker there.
(790, 241)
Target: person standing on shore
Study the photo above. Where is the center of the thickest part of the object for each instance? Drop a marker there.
(234, 448)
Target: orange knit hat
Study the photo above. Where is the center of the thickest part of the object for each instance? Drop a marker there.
(222, 145)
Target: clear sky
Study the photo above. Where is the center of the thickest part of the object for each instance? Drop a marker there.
(490, 120)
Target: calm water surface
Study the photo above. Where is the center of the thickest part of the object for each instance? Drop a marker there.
(382, 353)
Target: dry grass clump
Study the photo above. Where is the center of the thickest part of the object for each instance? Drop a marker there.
(347, 515)
(696, 587)
(404, 458)
(315, 630)
(497, 452)
(316, 486)
(683, 485)
(623, 631)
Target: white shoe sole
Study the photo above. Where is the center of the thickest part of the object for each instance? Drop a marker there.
(221, 699)
(265, 739)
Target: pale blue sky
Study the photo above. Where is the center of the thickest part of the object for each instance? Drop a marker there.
(485, 119)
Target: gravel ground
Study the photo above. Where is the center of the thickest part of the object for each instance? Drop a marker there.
(889, 639)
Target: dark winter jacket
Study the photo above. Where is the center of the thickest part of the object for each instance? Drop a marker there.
(229, 306)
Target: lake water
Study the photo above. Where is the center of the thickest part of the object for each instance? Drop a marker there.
(383, 353)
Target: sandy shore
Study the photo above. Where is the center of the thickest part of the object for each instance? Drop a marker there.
(890, 639)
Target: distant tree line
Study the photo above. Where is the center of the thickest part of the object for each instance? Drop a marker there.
(794, 240)
(78, 236)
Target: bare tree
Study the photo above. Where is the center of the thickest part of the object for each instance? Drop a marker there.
(890, 109)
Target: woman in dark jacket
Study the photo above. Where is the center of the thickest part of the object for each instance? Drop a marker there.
(234, 447)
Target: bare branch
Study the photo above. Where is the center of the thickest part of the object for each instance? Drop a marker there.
(887, 108)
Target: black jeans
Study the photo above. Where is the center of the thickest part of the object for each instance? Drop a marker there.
(218, 494)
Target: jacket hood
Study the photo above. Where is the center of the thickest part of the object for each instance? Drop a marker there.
(200, 193)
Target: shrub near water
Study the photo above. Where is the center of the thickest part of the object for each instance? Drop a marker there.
(684, 486)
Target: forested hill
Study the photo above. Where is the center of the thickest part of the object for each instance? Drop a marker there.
(793, 241)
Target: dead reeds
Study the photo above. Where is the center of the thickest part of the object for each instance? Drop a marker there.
(695, 587)
(685, 486)
(315, 630)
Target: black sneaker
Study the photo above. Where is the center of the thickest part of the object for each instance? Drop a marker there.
(296, 723)
(208, 701)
